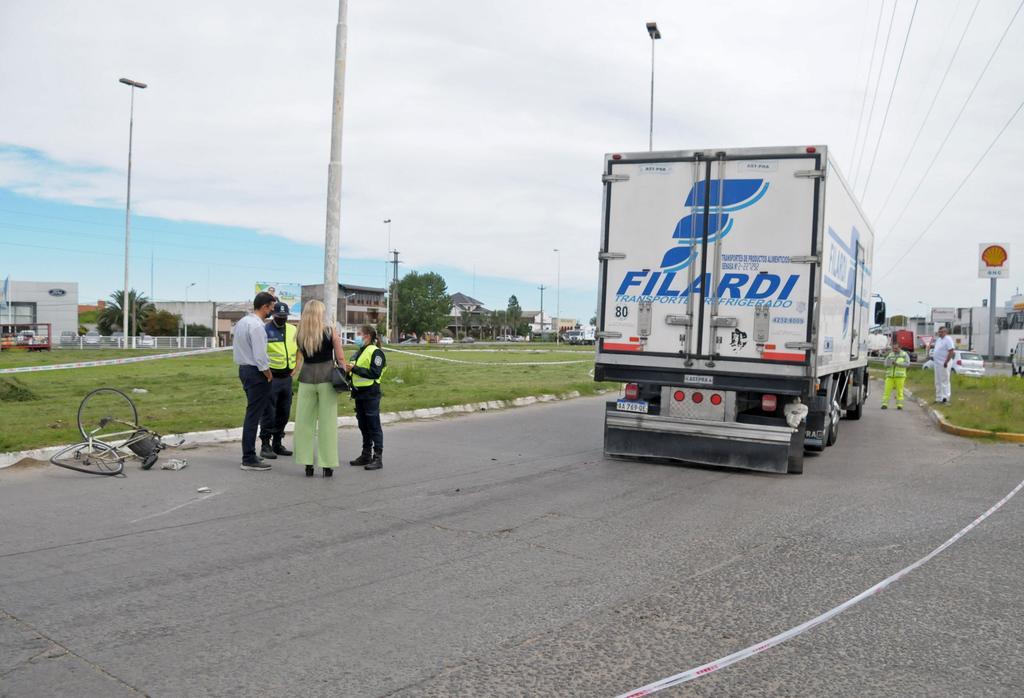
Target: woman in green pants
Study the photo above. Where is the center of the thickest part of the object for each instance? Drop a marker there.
(316, 417)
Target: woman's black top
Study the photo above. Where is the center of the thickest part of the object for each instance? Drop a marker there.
(324, 353)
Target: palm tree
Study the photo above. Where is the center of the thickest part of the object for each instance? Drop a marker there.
(111, 318)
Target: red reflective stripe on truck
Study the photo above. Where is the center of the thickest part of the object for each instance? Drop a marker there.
(618, 346)
(783, 356)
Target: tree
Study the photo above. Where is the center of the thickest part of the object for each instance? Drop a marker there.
(593, 321)
(423, 303)
(197, 330)
(111, 318)
(161, 323)
(514, 316)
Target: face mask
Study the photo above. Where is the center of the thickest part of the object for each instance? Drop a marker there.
(280, 322)
(359, 340)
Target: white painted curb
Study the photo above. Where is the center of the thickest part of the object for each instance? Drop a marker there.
(219, 436)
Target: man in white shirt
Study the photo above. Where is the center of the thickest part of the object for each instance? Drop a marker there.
(941, 357)
(250, 351)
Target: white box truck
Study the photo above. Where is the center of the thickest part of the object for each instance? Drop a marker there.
(735, 304)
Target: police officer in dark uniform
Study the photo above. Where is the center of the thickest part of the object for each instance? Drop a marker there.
(366, 369)
(281, 348)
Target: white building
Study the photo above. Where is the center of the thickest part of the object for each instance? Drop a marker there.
(34, 302)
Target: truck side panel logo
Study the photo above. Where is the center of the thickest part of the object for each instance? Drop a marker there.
(841, 272)
(735, 195)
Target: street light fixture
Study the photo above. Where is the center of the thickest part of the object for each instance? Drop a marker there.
(652, 31)
(184, 313)
(126, 301)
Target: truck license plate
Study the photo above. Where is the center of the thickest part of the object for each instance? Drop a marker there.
(631, 406)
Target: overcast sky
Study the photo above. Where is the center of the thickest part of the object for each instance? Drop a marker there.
(479, 127)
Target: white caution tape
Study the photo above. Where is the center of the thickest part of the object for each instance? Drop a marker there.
(718, 664)
(110, 362)
(490, 363)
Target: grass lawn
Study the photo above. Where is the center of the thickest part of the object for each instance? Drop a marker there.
(14, 358)
(202, 392)
(993, 403)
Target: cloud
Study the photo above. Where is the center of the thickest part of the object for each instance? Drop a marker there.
(479, 128)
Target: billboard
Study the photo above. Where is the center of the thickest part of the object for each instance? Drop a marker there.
(284, 291)
(943, 315)
(993, 260)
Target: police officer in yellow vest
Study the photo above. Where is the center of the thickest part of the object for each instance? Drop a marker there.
(367, 367)
(281, 347)
(896, 362)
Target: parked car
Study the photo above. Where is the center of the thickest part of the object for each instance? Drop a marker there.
(91, 337)
(146, 341)
(68, 337)
(467, 340)
(446, 340)
(963, 363)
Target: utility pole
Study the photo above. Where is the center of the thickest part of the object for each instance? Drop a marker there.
(394, 291)
(558, 299)
(126, 303)
(332, 238)
(992, 319)
(542, 287)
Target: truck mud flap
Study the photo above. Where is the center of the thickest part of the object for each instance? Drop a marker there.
(728, 444)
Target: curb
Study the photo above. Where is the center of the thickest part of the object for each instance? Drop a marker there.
(951, 428)
(219, 436)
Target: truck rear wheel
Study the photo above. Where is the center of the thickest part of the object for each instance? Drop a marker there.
(857, 410)
(832, 433)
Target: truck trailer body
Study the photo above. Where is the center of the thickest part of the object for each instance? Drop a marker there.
(734, 302)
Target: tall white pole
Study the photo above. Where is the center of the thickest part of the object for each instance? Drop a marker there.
(333, 233)
(558, 299)
(387, 287)
(126, 303)
(991, 320)
(184, 313)
(650, 141)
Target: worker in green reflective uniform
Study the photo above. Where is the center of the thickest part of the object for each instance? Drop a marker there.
(281, 348)
(896, 362)
(367, 367)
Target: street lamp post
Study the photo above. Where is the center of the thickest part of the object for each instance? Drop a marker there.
(126, 302)
(558, 298)
(387, 286)
(184, 313)
(652, 31)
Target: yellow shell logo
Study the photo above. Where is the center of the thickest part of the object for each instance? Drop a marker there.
(994, 256)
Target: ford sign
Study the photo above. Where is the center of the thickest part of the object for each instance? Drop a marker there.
(58, 292)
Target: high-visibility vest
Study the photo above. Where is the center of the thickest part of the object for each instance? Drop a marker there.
(281, 346)
(896, 364)
(363, 361)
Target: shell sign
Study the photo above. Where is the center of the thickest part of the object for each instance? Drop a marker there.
(993, 260)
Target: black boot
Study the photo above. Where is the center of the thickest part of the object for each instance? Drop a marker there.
(363, 459)
(278, 447)
(328, 472)
(267, 451)
(309, 471)
(376, 463)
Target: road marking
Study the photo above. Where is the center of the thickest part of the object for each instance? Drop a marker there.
(716, 665)
(191, 501)
(110, 362)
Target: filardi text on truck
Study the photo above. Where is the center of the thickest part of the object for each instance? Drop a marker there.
(735, 304)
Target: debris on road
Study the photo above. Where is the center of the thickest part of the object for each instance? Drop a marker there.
(174, 464)
(204, 490)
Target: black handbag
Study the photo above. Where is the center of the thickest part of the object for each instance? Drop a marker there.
(339, 380)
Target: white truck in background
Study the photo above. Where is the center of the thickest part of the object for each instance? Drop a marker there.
(735, 303)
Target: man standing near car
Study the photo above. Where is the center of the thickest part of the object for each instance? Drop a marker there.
(941, 357)
(250, 353)
(281, 347)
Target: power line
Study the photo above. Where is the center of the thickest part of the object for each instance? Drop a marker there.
(874, 97)
(892, 91)
(924, 122)
(952, 126)
(867, 82)
(955, 191)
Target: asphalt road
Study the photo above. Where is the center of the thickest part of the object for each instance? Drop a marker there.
(500, 554)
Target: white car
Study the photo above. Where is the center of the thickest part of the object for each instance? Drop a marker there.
(963, 363)
(92, 337)
(446, 340)
(1017, 361)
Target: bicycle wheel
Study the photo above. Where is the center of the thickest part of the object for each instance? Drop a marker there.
(95, 458)
(108, 415)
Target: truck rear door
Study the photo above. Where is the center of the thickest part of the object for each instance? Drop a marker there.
(710, 260)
